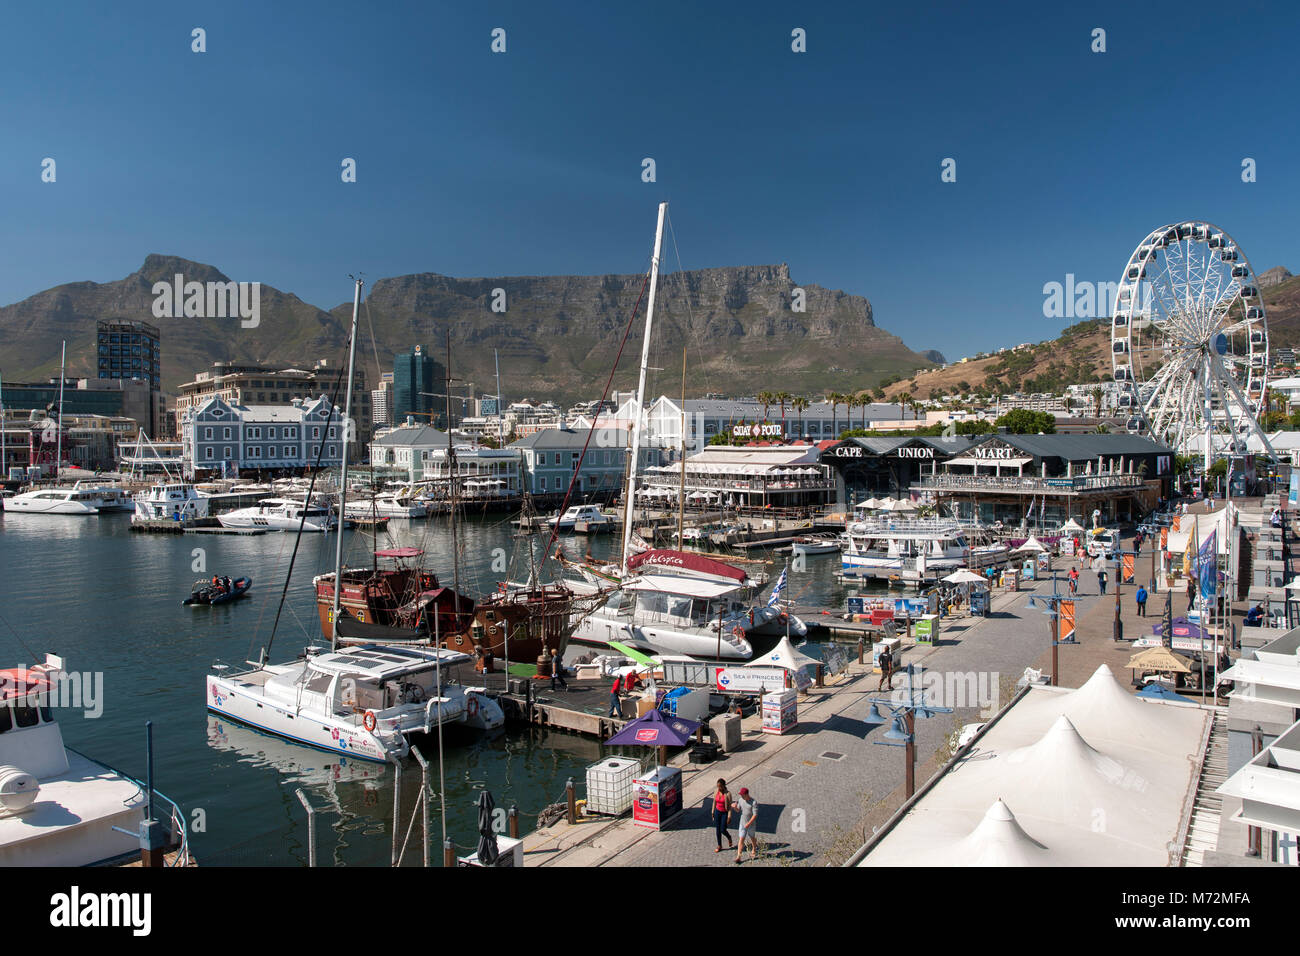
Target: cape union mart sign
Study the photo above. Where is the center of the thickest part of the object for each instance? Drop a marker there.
(1002, 452)
(915, 451)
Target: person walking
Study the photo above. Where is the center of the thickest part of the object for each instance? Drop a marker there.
(1101, 581)
(557, 670)
(748, 808)
(614, 702)
(1191, 592)
(722, 807)
(886, 660)
(1141, 600)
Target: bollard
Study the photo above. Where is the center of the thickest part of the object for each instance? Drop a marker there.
(571, 798)
(821, 676)
(448, 854)
(862, 644)
(514, 822)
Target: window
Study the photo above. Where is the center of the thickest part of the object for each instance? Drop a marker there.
(255, 452)
(207, 433)
(543, 483)
(288, 453)
(315, 432)
(225, 452)
(226, 433)
(558, 459)
(332, 451)
(270, 433)
(255, 433)
(207, 453)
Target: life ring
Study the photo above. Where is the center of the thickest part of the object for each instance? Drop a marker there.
(471, 709)
(738, 631)
(369, 721)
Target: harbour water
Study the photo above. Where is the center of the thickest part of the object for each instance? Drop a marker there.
(109, 601)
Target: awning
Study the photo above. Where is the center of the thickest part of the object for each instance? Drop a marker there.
(677, 584)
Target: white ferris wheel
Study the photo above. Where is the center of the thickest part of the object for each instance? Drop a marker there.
(1189, 342)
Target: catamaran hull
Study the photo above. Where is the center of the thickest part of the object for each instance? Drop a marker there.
(262, 713)
(599, 630)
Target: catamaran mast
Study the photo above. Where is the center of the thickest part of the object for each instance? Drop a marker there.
(640, 389)
(58, 437)
(4, 470)
(343, 477)
(451, 486)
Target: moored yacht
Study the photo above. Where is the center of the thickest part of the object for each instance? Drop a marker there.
(54, 501)
(587, 514)
(911, 548)
(59, 807)
(280, 514)
(399, 503)
(167, 501)
(365, 700)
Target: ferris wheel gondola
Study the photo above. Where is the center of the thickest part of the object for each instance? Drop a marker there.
(1189, 342)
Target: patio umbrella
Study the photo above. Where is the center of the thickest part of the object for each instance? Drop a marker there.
(964, 576)
(1071, 526)
(1159, 659)
(903, 504)
(487, 838)
(653, 729)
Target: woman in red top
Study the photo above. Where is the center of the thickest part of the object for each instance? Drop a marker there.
(722, 807)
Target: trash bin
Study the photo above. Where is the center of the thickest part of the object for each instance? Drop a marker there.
(726, 728)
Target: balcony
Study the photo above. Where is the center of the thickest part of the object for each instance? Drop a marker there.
(991, 484)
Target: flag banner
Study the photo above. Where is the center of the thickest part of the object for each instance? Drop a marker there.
(1067, 621)
(1207, 565)
(1164, 539)
(1176, 523)
(1130, 567)
(780, 586)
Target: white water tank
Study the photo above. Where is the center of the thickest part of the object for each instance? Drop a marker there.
(18, 790)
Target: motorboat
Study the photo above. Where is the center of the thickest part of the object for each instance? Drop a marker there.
(815, 544)
(206, 592)
(170, 501)
(387, 504)
(590, 515)
(366, 700)
(55, 501)
(913, 547)
(59, 807)
(111, 498)
(280, 514)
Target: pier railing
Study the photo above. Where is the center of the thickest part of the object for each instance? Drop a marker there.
(1032, 486)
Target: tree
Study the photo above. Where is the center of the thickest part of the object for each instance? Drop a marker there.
(903, 401)
(765, 398)
(800, 405)
(1021, 421)
(1096, 394)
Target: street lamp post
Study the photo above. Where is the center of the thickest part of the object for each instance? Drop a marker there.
(1051, 605)
(902, 718)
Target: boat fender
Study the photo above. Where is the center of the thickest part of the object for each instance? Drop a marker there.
(369, 721)
(471, 709)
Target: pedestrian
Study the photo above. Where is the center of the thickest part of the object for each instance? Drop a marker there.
(614, 702)
(886, 661)
(748, 807)
(1074, 581)
(1101, 581)
(630, 680)
(1191, 592)
(557, 670)
(1141, 601)
(722, 807)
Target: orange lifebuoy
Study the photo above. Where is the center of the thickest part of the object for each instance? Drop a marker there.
(738, 631)
(472, 707)
(369, 721)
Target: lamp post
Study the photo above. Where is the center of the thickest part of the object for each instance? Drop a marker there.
(1051, 606)
(1117, 632)
(902, 718)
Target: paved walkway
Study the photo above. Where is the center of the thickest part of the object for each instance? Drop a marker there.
(817, 785)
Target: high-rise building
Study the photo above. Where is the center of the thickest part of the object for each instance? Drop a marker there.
(415, 377)
(381, 400)
(128, 349)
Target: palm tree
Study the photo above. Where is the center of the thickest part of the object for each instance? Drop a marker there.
(766, 399)
(1096, 392)
(783, 398)
(903, 401)
(800, 405)
(833, 399)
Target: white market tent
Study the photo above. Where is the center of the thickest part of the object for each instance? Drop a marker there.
(1060, 758)
(783, 655)
(1196, 528)
(1071, 527)
(1033, 544)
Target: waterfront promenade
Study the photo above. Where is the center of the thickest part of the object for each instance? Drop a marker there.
(821, 788)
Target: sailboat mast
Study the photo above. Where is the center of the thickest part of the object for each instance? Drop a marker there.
(681, 491)
(58, 438)
(4, 469)
(640, 388)
(343, 477)
(451, 486)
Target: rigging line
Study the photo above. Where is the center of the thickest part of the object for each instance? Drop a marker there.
(686, 295)
(26, 647)
(631, 320)
(374, 344)
(311, 486)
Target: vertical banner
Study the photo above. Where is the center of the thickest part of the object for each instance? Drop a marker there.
(1164, 538)
(1066, 630)
(1176, 522)
(1293, 492)
(1129, 567)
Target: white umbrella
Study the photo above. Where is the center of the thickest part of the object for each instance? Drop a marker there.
(1071, 525)
(964, 576)
(1033, 544)
(1294, 585)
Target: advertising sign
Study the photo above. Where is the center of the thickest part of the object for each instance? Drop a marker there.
(749, 680)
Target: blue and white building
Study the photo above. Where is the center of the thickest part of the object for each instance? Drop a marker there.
(551, 456)
(219, 437)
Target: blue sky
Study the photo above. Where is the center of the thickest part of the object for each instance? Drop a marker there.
(529, 162)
